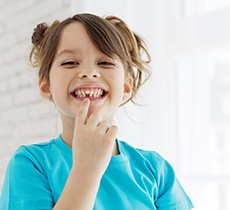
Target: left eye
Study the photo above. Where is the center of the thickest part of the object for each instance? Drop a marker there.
(106, 63)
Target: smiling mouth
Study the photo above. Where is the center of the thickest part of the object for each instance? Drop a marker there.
(94, 93)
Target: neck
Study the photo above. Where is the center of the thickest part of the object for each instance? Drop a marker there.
(67, 129)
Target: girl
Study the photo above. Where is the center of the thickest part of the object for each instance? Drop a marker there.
(88, 67)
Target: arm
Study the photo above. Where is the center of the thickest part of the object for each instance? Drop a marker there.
(92, 147)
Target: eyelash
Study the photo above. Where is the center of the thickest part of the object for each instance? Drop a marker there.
(70, 63)
(106, 63)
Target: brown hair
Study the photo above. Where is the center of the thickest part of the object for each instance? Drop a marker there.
(110, 35)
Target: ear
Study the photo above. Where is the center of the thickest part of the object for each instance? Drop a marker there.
(44, 88)
(128, 85)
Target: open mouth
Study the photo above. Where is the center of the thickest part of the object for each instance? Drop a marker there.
(94, 93)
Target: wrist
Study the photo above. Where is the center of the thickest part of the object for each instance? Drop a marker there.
(86, 173)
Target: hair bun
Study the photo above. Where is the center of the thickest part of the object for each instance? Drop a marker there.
(38, 34)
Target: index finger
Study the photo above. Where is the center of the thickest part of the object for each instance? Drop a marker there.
(82, 112)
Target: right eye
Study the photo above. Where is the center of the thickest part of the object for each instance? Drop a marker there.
(69, 63)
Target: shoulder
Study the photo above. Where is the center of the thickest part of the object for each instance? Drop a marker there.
(151, 161)
(34, 149)
(35, 155)
(148, 155)
(41, 148)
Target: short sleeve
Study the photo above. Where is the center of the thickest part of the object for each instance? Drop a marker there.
(26, 185)
(171, 195)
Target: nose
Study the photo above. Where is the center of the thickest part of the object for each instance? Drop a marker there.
(89, 72)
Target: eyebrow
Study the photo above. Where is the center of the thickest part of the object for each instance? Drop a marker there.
(74, 51)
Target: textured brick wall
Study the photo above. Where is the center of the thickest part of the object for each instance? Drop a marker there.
(24, 117)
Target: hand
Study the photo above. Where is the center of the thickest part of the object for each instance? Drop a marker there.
(93, 141)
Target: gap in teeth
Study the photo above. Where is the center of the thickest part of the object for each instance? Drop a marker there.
(84, 92)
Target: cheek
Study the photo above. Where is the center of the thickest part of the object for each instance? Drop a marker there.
(116, 79)
(58, 87)
(117, 85)
(57, 78)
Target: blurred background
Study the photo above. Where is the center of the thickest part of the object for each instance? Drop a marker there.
(185, 112)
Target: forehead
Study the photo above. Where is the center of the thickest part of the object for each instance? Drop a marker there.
(74, 35)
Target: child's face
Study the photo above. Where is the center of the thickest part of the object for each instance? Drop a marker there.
(80, 70)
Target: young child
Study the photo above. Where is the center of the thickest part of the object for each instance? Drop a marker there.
(88, 67)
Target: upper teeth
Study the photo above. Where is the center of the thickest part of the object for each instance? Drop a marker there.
(95, 92)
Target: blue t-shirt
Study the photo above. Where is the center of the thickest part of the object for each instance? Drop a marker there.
(135, 179)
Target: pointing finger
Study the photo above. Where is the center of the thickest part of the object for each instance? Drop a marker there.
(82, 112)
